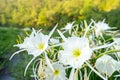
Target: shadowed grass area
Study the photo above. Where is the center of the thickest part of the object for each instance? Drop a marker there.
(7, 39)
(17, 65)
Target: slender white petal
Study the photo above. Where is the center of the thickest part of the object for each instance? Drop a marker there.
(35, 75)
(85, 74)
(90, 73)
(71, 74)
(16, 53)
(75, 77)
(117, 75)
(104, 46)
(35, 67)
(39, 31)
(34, 31)
(56, 45)
(48, 62)
(87, 28)
(51, 32)
(81, 76)
(61, 34)
(28, 65)
(95, 71)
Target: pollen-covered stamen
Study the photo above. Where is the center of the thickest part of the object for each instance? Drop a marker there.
(41, 46)
(56, 72)
(19, 40)
(76, 53)
(42, 75)
(26, 33)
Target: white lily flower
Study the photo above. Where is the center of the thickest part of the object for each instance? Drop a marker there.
(107, 65)
(57, 74)
(35, 44)
(100, 27)
(68, 27)
(76, 52)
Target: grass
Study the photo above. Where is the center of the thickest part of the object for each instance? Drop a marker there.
(8, 38)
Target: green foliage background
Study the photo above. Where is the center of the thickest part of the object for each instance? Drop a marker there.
(16, 66)
(46, 13)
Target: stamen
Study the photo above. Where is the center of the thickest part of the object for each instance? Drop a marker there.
(19, 39)
(56, 72)
(26, 33)
(18, 42)
(77, 52)
(41, 46)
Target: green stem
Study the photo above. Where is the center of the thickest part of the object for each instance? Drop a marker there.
(111, 51)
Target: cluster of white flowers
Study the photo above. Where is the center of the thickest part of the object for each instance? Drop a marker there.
(78, 47)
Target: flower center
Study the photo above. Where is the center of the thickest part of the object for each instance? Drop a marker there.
(41, 46)
(56, 72)
(42, 75)
(76, 52)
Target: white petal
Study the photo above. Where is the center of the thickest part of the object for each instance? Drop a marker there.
(104, 46)
(16, 53)
(28, 65)
(107, 65)
(51, 32)
(62, 36)
(88, 27)
(95, 71)
(71, 74)
(48, 62)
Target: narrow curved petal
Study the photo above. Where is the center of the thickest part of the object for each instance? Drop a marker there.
(95, 71)
(33, 32)
(56, 45)
(87, 28)
(104, 46)
(62, 36)
(16, 53)
(71, 74)
(48, 62)
(51, 32)
(28, 65)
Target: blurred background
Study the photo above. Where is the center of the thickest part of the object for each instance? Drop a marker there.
(18, 16)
